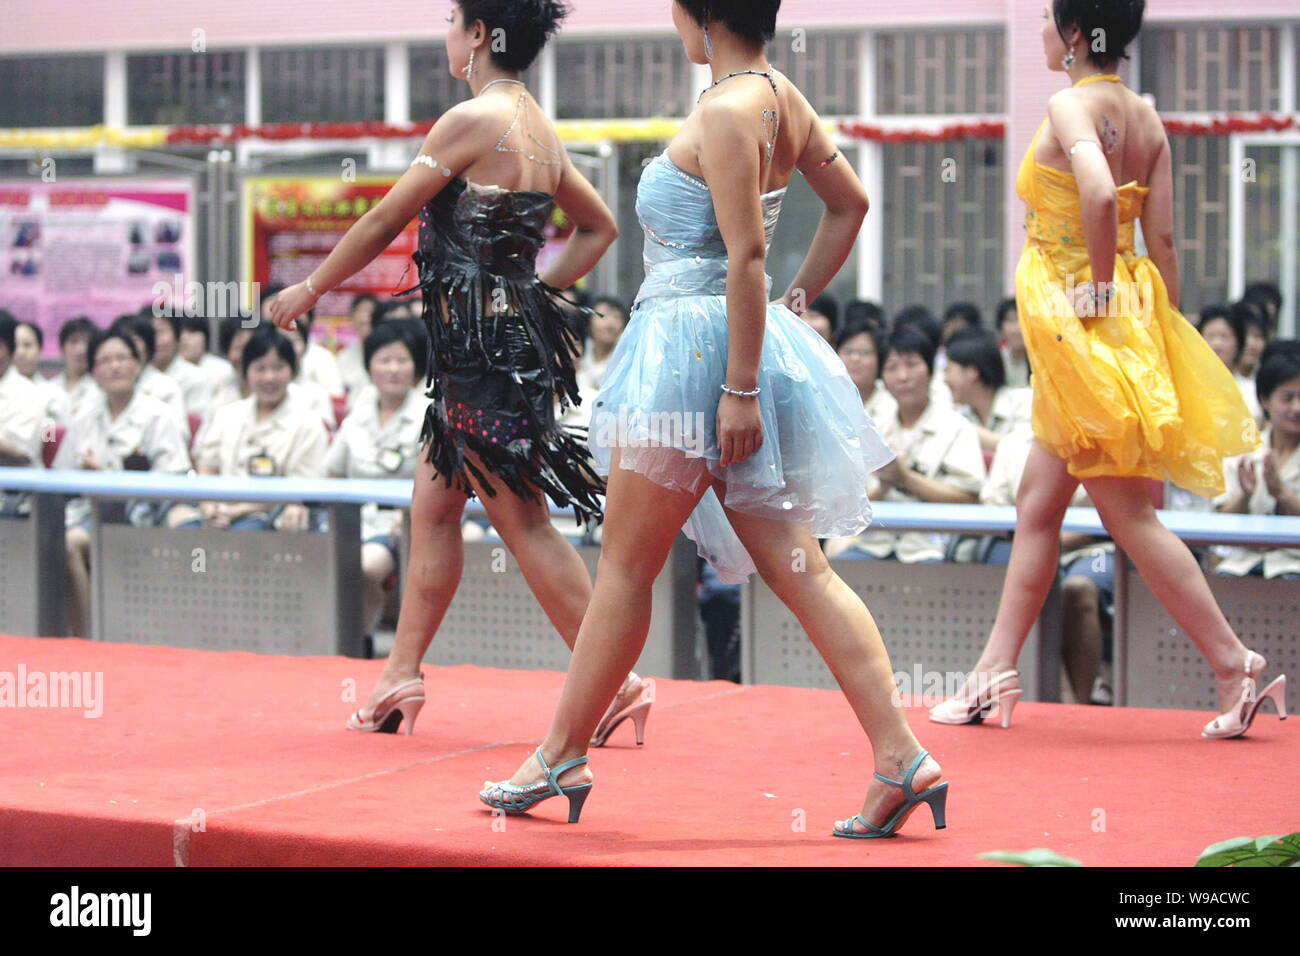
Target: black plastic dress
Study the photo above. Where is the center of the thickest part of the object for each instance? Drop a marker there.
(500, 349)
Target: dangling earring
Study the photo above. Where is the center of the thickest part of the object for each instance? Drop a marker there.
(469, 69)
(708, 44)
(1069, 58)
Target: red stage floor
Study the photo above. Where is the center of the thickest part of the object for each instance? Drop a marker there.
(254, 746)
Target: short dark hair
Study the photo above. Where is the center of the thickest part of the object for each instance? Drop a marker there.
(978, 349)
(7, 326)
(753, 20)
(857, 325)
(1279, 347)
(138, 325)
(363, 297)
(1005, 308)
(866, 310)
(227, 328)
(265, 340)
(36, 330)
(1251, 314)
(908, 340)
(1118, 20)
(81, 325)
(114, 331)
(1264, 292)
(1227, 312)
(923, 320)
(528, 24)
(410, 332)
(827, 305)
(968, 312)
(198, 323)
(1276, 370)
(173, 317)
(615, 302)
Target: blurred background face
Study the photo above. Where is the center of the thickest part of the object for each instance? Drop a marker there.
(363, 314)
(820, 323)
(607, 324)
(268, 379)
(115, 368)
(235, 355)
(27, 351)
(74, 354)
(192, 345)
(1218, 336)
(1010, 332)
(859, 356)
(1253, 347)
(1283, 408)
(393, 370)
(164, 343)
(961, 381)
(907, 378)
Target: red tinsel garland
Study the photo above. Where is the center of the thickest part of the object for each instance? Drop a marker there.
(852, 129)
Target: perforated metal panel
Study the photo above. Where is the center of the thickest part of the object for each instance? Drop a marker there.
(495, 621)
(932, 616)
(1164, 667)
(17, 559)
(33, 562)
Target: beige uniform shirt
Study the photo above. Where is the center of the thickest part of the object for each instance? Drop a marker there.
(1017, 370)
(145, 427)
(1239, 561)
(166, 389)
(1012, 409)
(352, 369)
(942, 445)
(73, 399)
(20, 418)
(363, 448)
(289, 442)
(881, 406)
(320, 366)
(196, 385)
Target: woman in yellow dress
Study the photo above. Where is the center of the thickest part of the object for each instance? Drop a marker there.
(1125, 389)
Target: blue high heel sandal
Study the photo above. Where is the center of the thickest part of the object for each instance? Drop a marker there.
(533, 794)
(936, 797)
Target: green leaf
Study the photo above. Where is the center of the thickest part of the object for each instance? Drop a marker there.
(1039, 856)
(1253, 852)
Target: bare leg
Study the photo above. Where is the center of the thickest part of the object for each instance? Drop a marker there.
(1044, 494)
(78, 544)
(791, 563)
(1173, 575)
(1082, 637)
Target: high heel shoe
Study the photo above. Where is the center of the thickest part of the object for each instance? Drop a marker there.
(936, 797)
(528, 797)
(400, 705)
(961, 710)
(621, 708)
(1236, 721)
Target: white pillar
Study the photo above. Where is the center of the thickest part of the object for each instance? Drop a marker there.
(113, 159)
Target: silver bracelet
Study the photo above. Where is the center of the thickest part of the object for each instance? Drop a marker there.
(732, 391)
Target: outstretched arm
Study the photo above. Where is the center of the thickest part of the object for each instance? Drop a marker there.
(845, 198)
(594, 227)
(451, 143)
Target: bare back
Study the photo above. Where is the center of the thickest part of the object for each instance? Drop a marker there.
(1129, 130)
(510, 127)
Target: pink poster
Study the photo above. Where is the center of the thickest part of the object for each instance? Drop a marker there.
(92, 247)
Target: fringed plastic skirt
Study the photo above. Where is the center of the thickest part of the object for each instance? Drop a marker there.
(500, 354)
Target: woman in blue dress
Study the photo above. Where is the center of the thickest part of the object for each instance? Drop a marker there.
(731, 418)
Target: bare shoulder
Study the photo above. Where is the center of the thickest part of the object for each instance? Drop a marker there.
(731, 111)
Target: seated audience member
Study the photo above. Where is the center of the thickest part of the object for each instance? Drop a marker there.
(196, 388)
(960, 317)
(232, 334)
(351, 358)
(1267, 481)
(603, 330)
(319, 366)
(923, 320)
(823, 314)
(121, 428)
(306, 387)
(20, 415)
(1254, 322)
(1268, 297)
(74, 386)
(859, 345)
(939, 457)
(1223, 327)
(153, 382)
(269, 433)
(381, 439)
(29, 340)
(1014, 356)
(977, 379)
(194, 348)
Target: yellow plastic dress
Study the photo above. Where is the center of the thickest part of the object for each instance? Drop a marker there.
(1135, 391)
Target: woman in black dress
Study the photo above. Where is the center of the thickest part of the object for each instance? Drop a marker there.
(484, 185)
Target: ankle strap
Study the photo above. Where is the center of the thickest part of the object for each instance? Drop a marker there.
(906, 782)
(552, 776)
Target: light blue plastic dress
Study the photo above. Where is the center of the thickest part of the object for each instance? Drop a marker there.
(659, 398)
